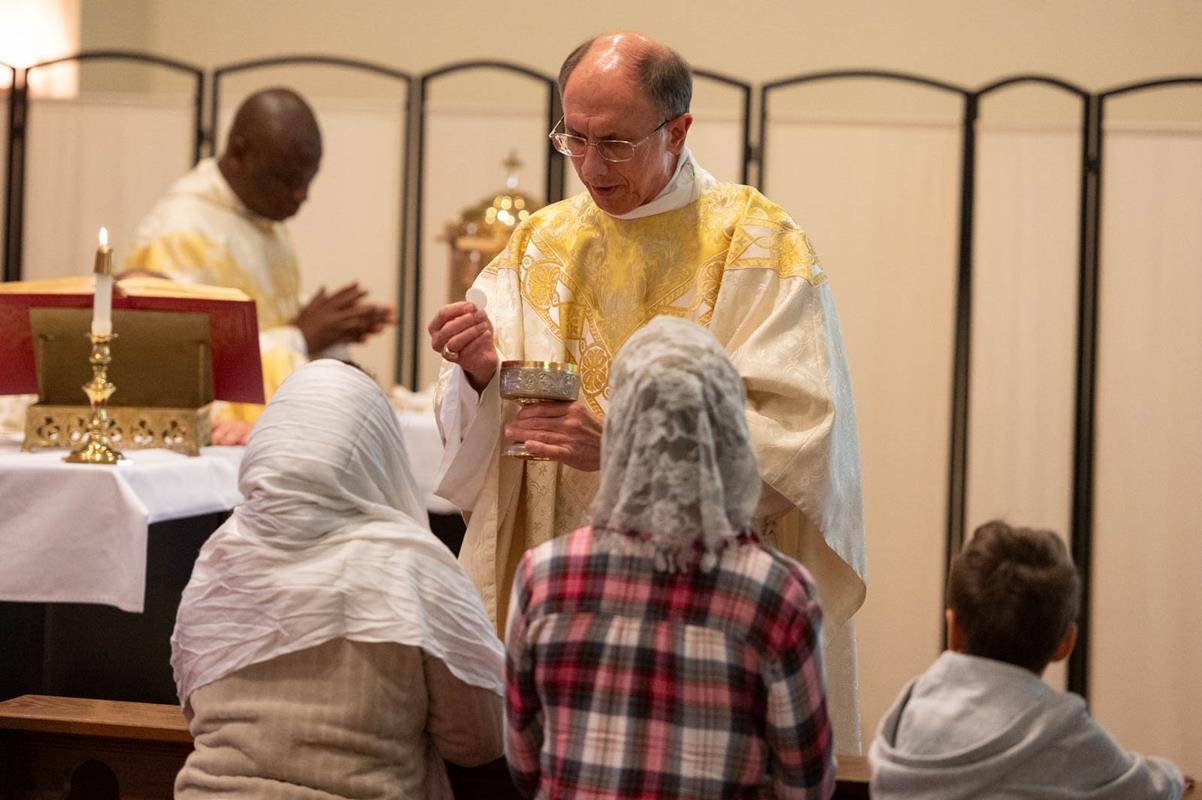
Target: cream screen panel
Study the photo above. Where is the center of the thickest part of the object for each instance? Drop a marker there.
(879, 202)
(1025, 316)
(97, 160)
(1147, 627)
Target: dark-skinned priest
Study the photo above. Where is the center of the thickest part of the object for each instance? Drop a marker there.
(222, 224)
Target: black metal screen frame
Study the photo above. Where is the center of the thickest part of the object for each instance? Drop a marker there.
(138, 57)
(555, 173)
(19, 122)
(14, 161)
(379, 70)
(1081, 501)
(746, 151)
(1085, 438)
(962, 336)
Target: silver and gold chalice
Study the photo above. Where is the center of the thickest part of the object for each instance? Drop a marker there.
(530, 382)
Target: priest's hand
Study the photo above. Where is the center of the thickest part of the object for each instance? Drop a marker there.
(563, 432)
(462, 333)
(340, 318)
(231, 432)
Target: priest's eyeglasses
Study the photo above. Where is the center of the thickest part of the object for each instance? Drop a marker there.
(615, 151)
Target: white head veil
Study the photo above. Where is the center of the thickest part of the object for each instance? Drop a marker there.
(678, 475)
(330, 543)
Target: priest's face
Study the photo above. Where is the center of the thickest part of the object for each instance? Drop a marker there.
(602, 104)
(281, 179)
(271, 176)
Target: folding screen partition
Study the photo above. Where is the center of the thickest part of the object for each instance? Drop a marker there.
(994, 362)
(879, 191)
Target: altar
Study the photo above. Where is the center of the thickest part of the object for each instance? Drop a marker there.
(96, 559)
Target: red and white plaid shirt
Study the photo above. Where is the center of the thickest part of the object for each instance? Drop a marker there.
(624, 682)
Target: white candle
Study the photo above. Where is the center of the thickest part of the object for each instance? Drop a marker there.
(102, 302)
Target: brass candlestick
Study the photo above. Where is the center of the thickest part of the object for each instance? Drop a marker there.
(96, 447)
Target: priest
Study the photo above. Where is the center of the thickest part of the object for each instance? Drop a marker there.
(223, 224)
(653, 234)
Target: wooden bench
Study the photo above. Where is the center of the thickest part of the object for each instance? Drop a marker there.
(49, 745)
(851, 779)
(139, 747)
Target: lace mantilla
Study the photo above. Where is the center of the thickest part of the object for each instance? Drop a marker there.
(679, 477)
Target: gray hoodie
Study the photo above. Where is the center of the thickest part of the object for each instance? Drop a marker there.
(980, 728)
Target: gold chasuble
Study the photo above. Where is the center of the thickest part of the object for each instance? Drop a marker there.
(574, 283)
(200, 232)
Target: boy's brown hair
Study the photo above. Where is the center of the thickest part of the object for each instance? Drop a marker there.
(1014, 592)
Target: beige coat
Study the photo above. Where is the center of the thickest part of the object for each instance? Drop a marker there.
(341, 720)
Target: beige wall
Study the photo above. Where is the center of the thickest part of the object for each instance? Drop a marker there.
(1096, 42)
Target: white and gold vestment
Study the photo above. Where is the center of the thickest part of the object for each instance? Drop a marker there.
(574, 283)
(200, 232)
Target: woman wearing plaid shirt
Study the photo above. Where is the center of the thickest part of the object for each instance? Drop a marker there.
(665, 652)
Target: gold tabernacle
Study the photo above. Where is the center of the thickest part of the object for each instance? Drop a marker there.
(480, 231)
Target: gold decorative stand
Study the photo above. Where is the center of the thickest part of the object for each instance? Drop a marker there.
(96, 447)
(165, 373)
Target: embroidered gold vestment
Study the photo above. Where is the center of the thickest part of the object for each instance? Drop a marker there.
(574, 283)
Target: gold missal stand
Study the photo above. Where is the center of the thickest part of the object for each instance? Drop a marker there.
(162, 368)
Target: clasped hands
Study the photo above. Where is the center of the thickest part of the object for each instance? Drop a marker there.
(341, 318)
(565, 432)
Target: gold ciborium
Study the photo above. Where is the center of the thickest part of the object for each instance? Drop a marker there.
(529, 382)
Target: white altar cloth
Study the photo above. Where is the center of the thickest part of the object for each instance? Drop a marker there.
(423, 445)
(75, 533)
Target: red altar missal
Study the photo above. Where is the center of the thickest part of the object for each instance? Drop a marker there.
(233, 327)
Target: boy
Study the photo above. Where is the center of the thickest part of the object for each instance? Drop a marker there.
(980, 722)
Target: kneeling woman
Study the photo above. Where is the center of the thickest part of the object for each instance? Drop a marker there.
(328, 645)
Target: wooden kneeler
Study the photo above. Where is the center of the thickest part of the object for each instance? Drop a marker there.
(851, 778)
(67, 747)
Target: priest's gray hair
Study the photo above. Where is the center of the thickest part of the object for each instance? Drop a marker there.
(662, 72)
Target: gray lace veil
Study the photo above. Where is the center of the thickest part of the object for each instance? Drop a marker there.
(679, 479)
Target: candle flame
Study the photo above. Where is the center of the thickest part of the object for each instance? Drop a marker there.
(104, 237)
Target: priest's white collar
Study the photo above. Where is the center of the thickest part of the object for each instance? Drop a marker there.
(688, 182)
